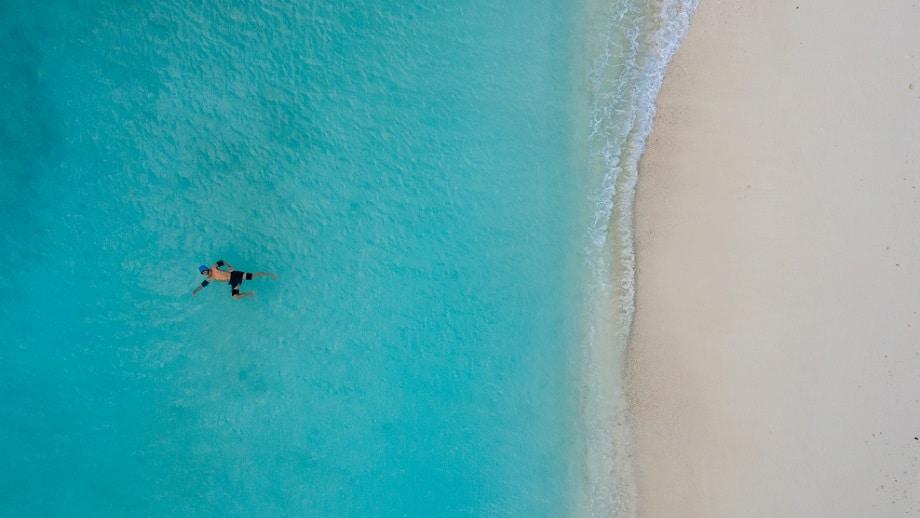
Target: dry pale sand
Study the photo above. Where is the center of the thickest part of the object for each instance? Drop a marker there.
(774, 367)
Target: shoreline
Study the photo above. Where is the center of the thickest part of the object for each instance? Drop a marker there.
(629, 46)
(771, 368)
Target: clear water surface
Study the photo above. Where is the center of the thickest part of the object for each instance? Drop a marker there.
(445, 190)
(403, 166)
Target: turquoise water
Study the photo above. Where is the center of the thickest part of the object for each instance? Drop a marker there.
(424, 179)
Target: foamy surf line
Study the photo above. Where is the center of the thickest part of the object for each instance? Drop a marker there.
(633, 44)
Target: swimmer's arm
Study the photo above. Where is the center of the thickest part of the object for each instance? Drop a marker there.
(220, 263)
(199, 288)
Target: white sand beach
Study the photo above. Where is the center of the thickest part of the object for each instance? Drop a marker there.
(774, 366)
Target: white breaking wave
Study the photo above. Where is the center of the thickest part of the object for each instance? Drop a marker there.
(635, 43)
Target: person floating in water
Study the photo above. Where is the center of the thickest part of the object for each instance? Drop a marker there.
(234, 277)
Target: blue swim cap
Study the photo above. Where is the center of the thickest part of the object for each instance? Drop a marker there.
(203, 268)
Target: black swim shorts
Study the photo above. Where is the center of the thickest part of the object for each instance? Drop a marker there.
(236, 279)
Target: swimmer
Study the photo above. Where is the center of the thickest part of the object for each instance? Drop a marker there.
(234, 277)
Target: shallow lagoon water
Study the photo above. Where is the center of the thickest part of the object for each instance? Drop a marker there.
(418, 176)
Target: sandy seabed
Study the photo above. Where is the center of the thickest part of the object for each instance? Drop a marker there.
(774, 365)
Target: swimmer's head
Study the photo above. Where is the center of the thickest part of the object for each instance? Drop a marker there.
(203, 269)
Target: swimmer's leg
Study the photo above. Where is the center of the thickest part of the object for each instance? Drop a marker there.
(256, 275)
(237, 294)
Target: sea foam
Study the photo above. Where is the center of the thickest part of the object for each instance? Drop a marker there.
(631, 46)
